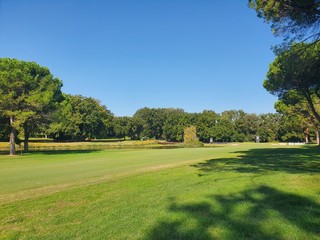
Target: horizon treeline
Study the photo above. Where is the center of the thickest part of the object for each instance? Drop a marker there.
(79, 118)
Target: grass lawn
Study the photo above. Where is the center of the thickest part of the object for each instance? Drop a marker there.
(249, 191)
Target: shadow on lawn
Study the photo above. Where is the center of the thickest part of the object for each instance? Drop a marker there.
(289, 160)
(262, 212)
(221, 217)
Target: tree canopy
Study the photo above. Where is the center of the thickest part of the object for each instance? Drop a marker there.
(297, 120)
(293, 19)
(28, 92)
(80, 118)
(297, 69)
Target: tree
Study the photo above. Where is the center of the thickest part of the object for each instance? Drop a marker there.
(246, 126)
(224, 129)
(292, 128)
(79, 118)
(205, 123)
(190, 136)
(121, 126)
(269, 125)
(174, 125)
(135, 128)
(297, 118)
(28, 92)
(293, 19)
(297, 70)
(153, 120)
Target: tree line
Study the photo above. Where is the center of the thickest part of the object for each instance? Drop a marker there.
(79, 118)
(229, 126)
(33, 105)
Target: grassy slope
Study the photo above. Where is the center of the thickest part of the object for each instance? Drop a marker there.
(238, 192)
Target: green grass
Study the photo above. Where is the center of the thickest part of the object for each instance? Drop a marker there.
(256, 191)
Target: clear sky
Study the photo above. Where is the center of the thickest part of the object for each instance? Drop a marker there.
(130, 54)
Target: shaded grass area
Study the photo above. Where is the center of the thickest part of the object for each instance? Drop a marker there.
(291, 160)
(248, 193)
(282, 200)
(263, 212)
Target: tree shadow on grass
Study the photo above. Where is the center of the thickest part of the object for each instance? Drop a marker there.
(243, 215)
(289, 160)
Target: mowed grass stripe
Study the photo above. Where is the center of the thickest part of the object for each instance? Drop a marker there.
(38, 173)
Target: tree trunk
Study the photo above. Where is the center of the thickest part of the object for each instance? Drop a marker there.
(12, 136)
(312, 107)
(307, 135)
(318, 139)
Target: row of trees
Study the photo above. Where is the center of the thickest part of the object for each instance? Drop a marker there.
(229, 126)
(32, 104)
(79, 118)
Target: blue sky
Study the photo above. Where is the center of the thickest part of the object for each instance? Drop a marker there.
(130, 54)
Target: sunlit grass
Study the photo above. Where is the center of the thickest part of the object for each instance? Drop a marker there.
(231, 192)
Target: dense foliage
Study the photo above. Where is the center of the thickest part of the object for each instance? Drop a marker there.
(28, 93)
(293, 19)
(79, 118)
(230, 126)
(297, 70)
